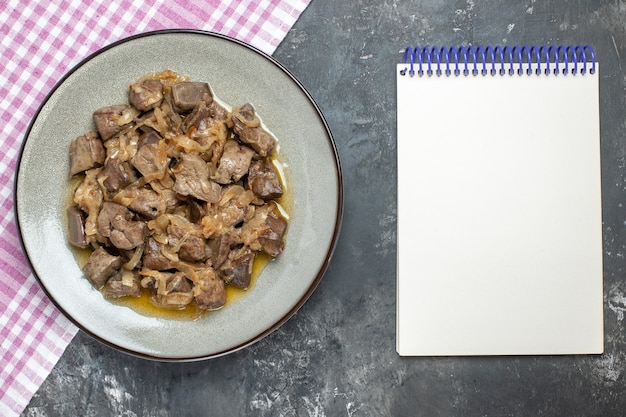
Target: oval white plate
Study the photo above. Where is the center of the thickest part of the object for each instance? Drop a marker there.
(237, 74)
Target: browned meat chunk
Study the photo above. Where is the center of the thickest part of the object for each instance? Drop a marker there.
(146, 95)
(86, 152)
(237, 269)
(261, 141)
(192, 178)
(230, 214)
(200, 125)
(217, 111)
(147, 203)
(187, 95)
(151, 158)
(196, 210)
(178, 283)
(192, 248)
(76, 227)
(114, 222)
(263, 180)
(247, 126)
(234, 163)
(123, 284)
(109, 120)
(101, 266)
(109, 212)
(244, 117)
(272, 239)
(117, 174)
(153, 258)
(150, 137)
(265, 230)
(209, 291)
(219, 248)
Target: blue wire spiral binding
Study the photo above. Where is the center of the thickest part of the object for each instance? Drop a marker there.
(493, 60)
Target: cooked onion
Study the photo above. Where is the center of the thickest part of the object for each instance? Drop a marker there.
(128, 278)
(134, 261)
(127, 116)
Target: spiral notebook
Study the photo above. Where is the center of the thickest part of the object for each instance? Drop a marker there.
(499, 202)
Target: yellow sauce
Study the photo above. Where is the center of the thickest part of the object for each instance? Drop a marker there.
(144, 306)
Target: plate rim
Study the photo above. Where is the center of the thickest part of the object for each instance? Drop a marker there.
(338, 176)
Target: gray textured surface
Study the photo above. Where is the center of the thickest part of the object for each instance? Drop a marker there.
(336, 356)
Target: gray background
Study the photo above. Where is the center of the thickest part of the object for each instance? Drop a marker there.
(336, 356)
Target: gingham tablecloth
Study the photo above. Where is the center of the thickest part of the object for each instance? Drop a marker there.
(40, 41)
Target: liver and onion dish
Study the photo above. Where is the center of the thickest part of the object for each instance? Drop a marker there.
(176, 195)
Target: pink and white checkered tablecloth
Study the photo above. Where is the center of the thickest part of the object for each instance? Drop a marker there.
(40, 41)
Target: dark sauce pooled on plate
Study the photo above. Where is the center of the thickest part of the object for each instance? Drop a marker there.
(175, 199)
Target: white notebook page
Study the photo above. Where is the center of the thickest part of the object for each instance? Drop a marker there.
(499, 215)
